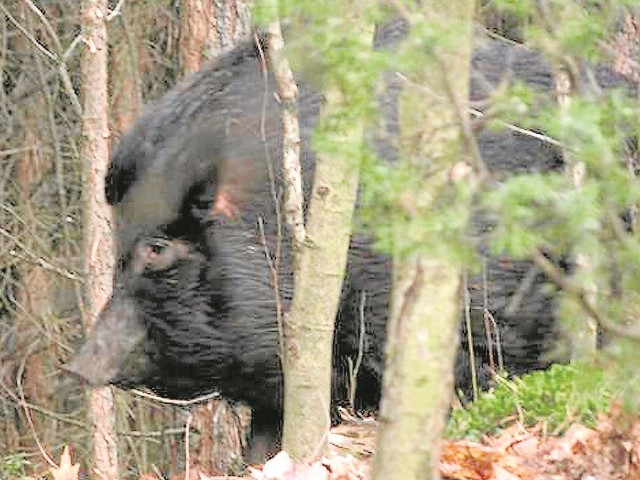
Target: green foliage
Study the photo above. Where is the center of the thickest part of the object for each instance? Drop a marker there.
(549, 212)
(558, 397)
(520, 8)
(525, 223)
(14, 466)
(552, 212)
(410, 204)
(511, 105)
(576, 212)
(433, 221)
(326, 51)
(566, 27)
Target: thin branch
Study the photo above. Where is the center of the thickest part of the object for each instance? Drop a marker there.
(23, 403)
(478, 114)
(463, 119)
(355, 368)
(45, 22)
(36, 258)
(187, 460)
(171, 401)
(530, 133)
(570, 287)
(27, 413)
(470, 345)
(117, 10)
(274, 196)
(523, 288)
(38, 45)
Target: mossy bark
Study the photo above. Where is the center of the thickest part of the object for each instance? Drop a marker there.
(320, 267)
(423, 329)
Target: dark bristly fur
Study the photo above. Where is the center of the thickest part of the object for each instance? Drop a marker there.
(198, 288)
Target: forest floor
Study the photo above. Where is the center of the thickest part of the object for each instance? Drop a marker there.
(610, 451)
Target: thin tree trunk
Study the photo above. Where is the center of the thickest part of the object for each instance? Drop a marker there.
(194, 30)
(291, 169)
(223, 434)
(423, 328)
(309, 324)
(127, 68)
(99, 245)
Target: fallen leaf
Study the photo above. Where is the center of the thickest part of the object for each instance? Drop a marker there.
(500, 473)
(278, 466)
(314, 471)
(66, 470)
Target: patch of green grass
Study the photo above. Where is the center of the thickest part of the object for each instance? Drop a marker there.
(559, 396)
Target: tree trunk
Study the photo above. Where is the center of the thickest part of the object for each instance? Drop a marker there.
(290, 127)
(423, 328)
(203, 23)
(309, 325)
(208, 29)
(127, 68)
(229, 23)
(194, 30)
(98, 245)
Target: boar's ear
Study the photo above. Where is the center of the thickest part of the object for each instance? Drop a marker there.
(236, 178)
(232, 164)
(204, 157)
(123, 168)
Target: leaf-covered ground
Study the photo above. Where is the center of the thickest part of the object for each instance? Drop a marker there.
(610, 451)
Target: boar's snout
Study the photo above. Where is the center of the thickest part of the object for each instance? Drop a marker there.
(109, 346)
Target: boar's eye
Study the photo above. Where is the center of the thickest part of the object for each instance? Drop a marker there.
(157, 254)
(158, 245)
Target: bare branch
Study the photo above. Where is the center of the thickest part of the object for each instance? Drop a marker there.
(581, 297)
(116, 11)
(292, 171)
(25, 32)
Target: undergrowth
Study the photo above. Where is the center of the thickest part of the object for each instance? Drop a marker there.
(556, 397)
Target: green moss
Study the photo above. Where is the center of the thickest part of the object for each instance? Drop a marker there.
(558, 396)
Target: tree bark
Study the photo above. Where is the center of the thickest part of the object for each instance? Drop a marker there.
(229, 23)
(127, 68)
(194, 31)
(222, 441)
(292, 171)
(209, 29)
(423, 328)
(98, 241)
(33, 298)
(309, 324)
